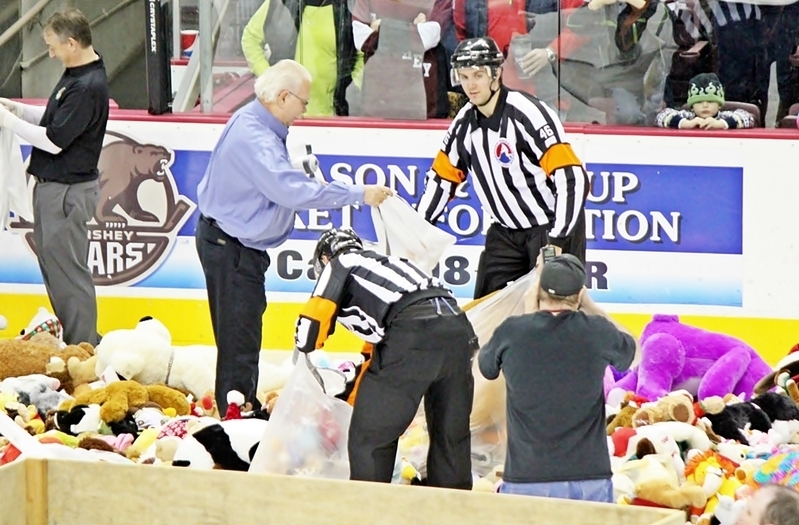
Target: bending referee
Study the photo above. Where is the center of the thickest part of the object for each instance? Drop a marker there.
(524, 172)
(424, 346)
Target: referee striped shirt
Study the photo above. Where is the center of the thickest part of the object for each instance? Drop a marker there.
(357, 289)
(524, 172)
(702, 17)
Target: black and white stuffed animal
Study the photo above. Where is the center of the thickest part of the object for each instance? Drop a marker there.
(225, 445)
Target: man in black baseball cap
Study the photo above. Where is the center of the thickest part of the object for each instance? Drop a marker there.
(563, 276)
(554, 362)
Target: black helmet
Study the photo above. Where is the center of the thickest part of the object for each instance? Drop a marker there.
(476, 52)
(333, 242)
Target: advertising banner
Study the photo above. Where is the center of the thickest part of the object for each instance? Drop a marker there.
(665, 234)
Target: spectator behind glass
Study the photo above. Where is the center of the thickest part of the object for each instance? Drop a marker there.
(705, 99)
(740, 35)
(782, 45)
(506, 21)
(403, 41)
(315, 33)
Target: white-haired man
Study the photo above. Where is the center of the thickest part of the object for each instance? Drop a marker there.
(248, 199)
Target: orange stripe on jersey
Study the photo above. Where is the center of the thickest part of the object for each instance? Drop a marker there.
(367, 351)
(320, 310)
(444, 169)
(559, 156)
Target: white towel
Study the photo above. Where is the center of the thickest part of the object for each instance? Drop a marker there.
(14, 194)
(403, 232)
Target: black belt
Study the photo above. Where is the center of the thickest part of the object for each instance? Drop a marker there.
(413, 298)
(209, 221)
(213, 224)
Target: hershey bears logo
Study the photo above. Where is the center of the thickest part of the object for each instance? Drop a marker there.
(138, 215)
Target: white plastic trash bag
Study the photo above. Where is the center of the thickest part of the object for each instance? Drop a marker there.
(307, 432)
(488, 409)
(487, 313)
(401, 231)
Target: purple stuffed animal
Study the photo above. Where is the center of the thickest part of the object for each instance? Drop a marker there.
(675, 356)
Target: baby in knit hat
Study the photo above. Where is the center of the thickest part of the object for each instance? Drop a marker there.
(705, 98)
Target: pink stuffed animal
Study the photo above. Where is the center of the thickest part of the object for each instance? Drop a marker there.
(676, 356)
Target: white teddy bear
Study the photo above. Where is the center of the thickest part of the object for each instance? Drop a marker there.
(145, 354)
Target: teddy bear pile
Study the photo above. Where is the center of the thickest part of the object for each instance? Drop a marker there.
(135, 398)
(700, 422)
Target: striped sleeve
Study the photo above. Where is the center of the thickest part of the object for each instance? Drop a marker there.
(561, 164)
(317, 320)
(447, 172)
(571, 189)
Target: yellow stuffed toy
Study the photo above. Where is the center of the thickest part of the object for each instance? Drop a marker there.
(715, 474)
(118, 398)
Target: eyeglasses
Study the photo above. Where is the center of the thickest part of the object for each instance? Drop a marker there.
(303, 101)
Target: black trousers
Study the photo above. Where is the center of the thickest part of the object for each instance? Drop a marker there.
(510, 254)
(424, 354)
(781, 34)
(234, 278)
(742, 63)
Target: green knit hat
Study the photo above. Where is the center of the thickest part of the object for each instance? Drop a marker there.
(705, 87)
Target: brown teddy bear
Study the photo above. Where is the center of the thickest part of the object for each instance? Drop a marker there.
(22, 358)
(81, 373)
(676, 406)
(627, 409)
(118, 398)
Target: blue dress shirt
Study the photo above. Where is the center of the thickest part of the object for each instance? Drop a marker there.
(250, 187)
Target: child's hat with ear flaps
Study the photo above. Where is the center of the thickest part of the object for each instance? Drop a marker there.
(705, 87)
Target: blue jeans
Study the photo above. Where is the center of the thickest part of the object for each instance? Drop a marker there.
(600, 490)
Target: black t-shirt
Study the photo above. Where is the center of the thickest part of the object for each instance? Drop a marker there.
(554, 366)
(75, 119)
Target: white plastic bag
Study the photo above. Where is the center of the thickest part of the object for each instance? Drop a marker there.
(487, 313)
(307, 432)
(487, 420)
(403, 232)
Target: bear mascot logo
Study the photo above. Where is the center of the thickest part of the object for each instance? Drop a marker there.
(139, 213)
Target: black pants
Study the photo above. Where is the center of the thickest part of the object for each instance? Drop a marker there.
(742, 67)
(510, 254)
(782, 36)
(234, 278)
(424, 353)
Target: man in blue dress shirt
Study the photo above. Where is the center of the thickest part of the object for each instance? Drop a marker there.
(248, 199)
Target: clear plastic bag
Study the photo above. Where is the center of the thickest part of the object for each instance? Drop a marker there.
(488, 409)
(307, 432)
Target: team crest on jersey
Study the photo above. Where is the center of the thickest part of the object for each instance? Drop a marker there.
(504, 152)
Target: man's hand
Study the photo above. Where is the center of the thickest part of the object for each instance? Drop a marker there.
(14, 107)
(534, 61)
(420, 19)
(375, 25)
(374, 195)
(713, 123)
